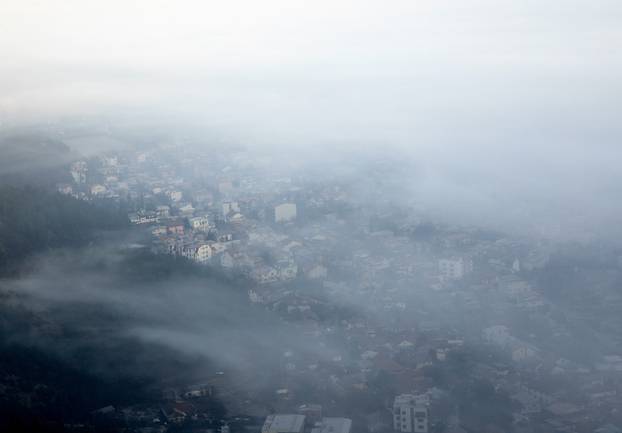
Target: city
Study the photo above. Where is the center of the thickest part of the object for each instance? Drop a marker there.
(327, 216)
(399, 327)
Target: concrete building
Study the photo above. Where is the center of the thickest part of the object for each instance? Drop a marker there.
(203, 254)
(454, 269)
(285, 212)
(410, 414)
(284, 424)
(200, 223)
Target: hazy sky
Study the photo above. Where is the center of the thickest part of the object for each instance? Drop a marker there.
(480, 52)
(501, 98)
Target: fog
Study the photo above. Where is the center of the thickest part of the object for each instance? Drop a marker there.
(524, 93)
(454, 170)
(207, 317)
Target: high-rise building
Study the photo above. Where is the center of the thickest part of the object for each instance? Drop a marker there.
(410, 414)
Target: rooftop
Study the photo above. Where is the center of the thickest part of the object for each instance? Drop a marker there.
(333, 425)
(283, 424)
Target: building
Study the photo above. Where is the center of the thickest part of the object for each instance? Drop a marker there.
(198, 252)
(333, 425)
(203, 253)
(229, 207)
(264, 274)
(200, 223)
(98, 189)
(175, 228)
(143, 217)
(186, 210)
(410, 414)
(285, 212)
(284, 424)
(454, 269)
(159, 231)
(175, 195)
(163, 211)
(312, 412)
(79, 170)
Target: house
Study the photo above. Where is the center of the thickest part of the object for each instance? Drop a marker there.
(454, 268)
(264, 274)
(523, 352)
(175, 228)
(225, 238)
(200, 223)
(186, 209)
(143, 217)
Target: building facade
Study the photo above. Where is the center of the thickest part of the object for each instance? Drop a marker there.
(410, 414)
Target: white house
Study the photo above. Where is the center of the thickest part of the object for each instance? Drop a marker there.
(200, 223)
